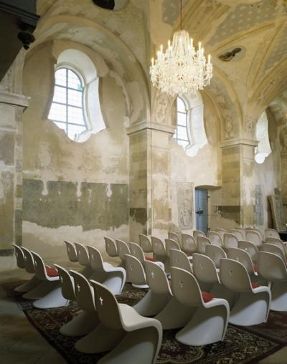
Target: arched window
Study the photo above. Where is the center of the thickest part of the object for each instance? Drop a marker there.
(263, 148)
(180, 134)
(190, 131)
(75, 106)
(67, 110)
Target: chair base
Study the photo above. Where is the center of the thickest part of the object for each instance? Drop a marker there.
(279, 296)
(53, 299)
(207, 326)
(250, 309)
(174, 315)
(99, 340)
(140, 346)
(80, 325)
(41, 290)
(151, 304)
(27, 286)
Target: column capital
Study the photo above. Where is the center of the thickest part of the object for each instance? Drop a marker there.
(144, 125)
(238, 142)
(13, 99)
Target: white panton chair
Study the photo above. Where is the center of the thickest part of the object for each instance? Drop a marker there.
(111, 247)
(188, 244)
(230, 241)
(145, 243)
(71, 251)
(215, 253)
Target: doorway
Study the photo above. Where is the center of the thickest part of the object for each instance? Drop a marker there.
(201, 209)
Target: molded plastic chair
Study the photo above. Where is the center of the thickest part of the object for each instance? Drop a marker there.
(174, 236)
(137, 252)
(49, 274)
(275, 249)
(112, 277)
(159, 293)
(83, 259)
(83, 322)
(254, 236)
(243, 257)
(171, 244)
(135, 271)
(273, 268)
(271, 233)
(21, 263)
(142, 336)
(71, 251)
(253, 303)
(159, 249)
(188, 244)
(215, 238)
(250, 248)
(230, 241)
(238, 233)
(123, 249)
(173, 314)
(215, 253)
(209, 316)
(197, 233)
(202, 242)
(111, 247)
(145, 243)
(180, 260)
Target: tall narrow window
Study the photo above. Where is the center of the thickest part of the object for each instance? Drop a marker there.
(67, 110)
(180, 134)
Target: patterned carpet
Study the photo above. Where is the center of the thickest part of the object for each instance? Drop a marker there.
(240, 345)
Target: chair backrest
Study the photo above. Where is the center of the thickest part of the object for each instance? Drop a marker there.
(202, 242)
(179, 259)
(107, 306)
(250, 248)
(234, 275)
(254, 236)
(96, 260)
(83, 254)
(67, 283)
(158, 247)
(271, 266)
(271, 233)
(145, 243)
(174, 236)
(156, 278)
(215, 253)
(238, 233)
(83, 292)
(40, 269)
(123, 248)
(137, 251)
(204, 269)
(171, 244)
(20, 257)
(197, 233)
(215, 238)
(185, 287)
(135, 270)
(241, 256)
(111, 247)
(230, 241)
(274, 241)
(275, 249)
(29, 260)
(71, 251)
(188, 244)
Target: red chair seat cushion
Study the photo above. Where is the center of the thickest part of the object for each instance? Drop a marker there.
(51, 271)
(254, 285)
(151, 259)
(207, 296)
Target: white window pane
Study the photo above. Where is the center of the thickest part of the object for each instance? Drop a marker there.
(60, 94)
(57, 112)
(61, 125)
(181, 133)
(181, 119)
(60, 77)
(75, 98)
(74, 131)
(180, 105)
(74, 81)
(75, 115)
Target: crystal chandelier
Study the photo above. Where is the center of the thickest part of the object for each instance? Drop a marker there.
(180, 69)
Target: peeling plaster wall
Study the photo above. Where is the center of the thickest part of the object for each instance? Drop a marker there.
(71, 190)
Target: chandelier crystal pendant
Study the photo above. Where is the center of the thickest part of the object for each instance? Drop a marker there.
(181, 69)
